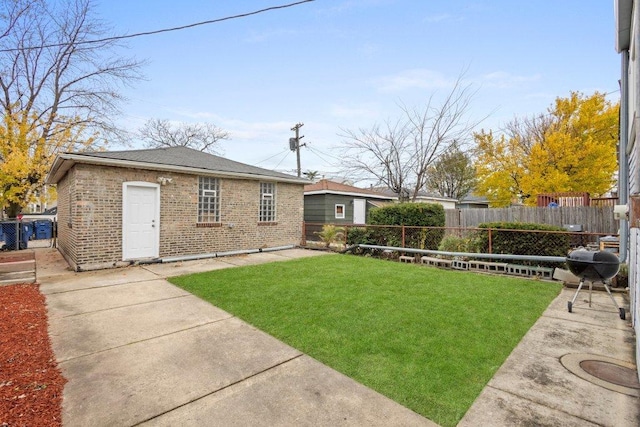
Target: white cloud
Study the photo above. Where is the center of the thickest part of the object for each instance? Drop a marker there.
(505, 80)
(358, 111)
(443, 17)
(341, 7)
(260, 37)
(438, 18)
(413, 79)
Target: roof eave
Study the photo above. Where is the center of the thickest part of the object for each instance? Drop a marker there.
(65, 161)
(345, 193)
(439, 199)
(623, 16)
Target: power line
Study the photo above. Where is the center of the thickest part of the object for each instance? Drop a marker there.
(285, 156)
(164, 30)
(269, 158)
(317, 154)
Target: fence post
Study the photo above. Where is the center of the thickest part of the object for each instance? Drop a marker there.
(403, 244)
(303, 241)
(490, 251)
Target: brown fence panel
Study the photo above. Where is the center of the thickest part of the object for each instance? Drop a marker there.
(604, 201)
(593, 219)
(452, 217)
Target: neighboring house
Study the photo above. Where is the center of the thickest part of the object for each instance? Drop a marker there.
(119, 207)
(473, 202)
(423, 197)
(627, 15)
(329, 202)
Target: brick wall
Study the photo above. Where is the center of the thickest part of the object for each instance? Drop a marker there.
(66, 239)
(90, 200)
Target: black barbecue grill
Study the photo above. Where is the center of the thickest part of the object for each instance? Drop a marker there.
(593, 266)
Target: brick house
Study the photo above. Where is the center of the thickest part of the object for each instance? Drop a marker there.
(119, 207)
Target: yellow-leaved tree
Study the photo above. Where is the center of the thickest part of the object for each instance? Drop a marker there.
(573, 149)
(26, 156)
(499, 168)
(578, 152)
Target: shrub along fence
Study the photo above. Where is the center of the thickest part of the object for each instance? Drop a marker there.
(491, 238)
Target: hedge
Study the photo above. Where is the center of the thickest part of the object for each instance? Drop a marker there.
(418, 215)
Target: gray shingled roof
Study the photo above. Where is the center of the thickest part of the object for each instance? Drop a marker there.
(182, 157)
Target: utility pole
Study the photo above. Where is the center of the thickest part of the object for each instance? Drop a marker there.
(294, 144)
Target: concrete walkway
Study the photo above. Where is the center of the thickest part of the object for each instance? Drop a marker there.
(543, 383)
(137, 350)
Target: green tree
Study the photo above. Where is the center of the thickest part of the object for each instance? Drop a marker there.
(311, 174)
(573, 148)
(452, 175)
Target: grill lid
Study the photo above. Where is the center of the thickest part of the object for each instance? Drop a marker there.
(593, 265)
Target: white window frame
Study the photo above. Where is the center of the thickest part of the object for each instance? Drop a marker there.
(267, 210)
(344, 209)
(208, 200)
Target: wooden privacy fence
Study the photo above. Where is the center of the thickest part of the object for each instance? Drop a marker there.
(592, 219)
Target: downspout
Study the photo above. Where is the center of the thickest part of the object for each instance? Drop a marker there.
(222, 254)
(623, 174)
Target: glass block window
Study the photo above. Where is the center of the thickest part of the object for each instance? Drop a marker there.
(267, 202)
(208, 199)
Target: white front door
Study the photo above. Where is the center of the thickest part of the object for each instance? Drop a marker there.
(140, 220)
(359, 211)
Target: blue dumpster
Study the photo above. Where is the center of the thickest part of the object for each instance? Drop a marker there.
(14, 232)
(26, 228)
(43, 229)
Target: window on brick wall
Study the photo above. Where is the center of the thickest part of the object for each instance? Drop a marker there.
(208, 199)
(267, 202)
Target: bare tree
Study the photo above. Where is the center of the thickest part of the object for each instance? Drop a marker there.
(400, 153)
(529, 130)
(54, 73)
(382, 153)
(200, 136)
(60, 77)
(452, 174)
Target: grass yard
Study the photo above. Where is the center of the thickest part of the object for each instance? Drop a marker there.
(430, 339)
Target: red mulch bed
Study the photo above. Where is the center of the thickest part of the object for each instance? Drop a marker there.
(30, 382)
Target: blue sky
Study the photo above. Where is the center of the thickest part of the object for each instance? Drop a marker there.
(347, 64)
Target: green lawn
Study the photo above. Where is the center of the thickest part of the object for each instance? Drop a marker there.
(430, 339)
